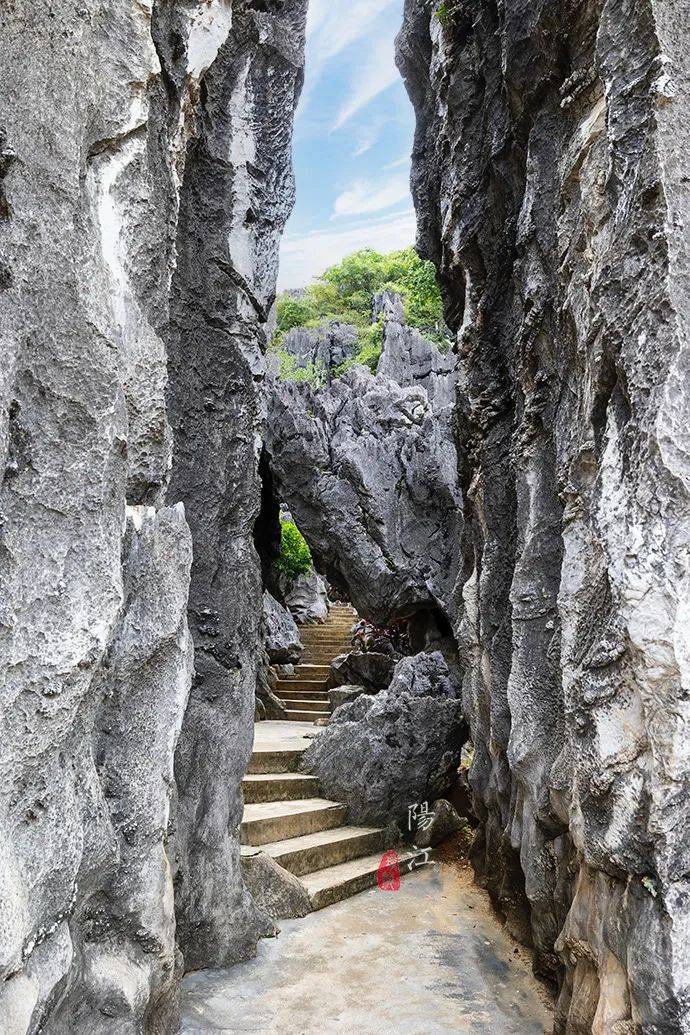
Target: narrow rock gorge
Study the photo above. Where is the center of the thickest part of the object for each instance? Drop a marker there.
(514, 492)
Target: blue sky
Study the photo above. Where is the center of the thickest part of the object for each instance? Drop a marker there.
(353, 138)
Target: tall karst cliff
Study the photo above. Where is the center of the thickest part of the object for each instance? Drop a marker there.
(144, 182)
(550, 181)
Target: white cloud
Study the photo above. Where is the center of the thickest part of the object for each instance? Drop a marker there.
(365, 196)
(333, 25)
(397, 165)
(376, 75)
(366, 136)
(303, 258)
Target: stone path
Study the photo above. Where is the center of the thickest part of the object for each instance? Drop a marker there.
(304, 695)
(308, 835)
(429, 959)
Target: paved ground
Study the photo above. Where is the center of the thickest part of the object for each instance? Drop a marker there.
(429, 959)
(282, 736)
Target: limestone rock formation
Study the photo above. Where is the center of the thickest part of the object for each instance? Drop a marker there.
(276, 891)
(370, 472)
(362, 668)
(230, 219)
(280, 633)
(144, 180)
(383, 754)
(410, 358)
(549, 181)
(345, 694)
(307, 597)
(323, 348)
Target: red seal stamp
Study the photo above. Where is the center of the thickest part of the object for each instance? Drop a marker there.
(388, 875)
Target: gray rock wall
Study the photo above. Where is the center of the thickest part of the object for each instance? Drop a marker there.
(126, 131)
(231, 216)
(370, 473)
(549, 185)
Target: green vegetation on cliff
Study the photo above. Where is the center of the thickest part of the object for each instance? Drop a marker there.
(345, 292)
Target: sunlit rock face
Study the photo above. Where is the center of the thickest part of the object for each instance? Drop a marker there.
(112, 115)
(548, 179)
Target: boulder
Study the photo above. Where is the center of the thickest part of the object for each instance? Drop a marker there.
(307, 598)
(441, 822)
(276, 891)
(362, 668)
(280, 633)
(383, 754)
(345, 695)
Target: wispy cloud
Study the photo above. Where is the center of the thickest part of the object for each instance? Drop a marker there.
(303, 258)
(365, 196)
(333, 25)
(371, 79)
(366, 135)
(397, 165)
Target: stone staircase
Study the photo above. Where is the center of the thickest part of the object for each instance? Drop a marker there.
(304, 833)
(304, 695)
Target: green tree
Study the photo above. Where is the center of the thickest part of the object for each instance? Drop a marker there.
(345, 292)
(295, 556)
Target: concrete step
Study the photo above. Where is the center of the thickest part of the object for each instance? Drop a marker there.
(312, 852)
(312, 671)
(333, 884)
(278, 761)
(266, 822)
(302, 695)
(307, 704)
(300, 715)
(278, 787)
(333, 636)
(301, 684)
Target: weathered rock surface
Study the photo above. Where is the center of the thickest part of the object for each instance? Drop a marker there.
(323, 348)
(370, 473)
(235, 197)
(307, 597)
(440, 823)
(274, 889)
(409, 358)
(280, 632)
(383, 754)
(363, 668)
(117, 125)
(345, 695)
(548, 176)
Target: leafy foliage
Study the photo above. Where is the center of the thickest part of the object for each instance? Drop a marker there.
(447, 10)
(295, 555)
(290, 370)
(345, 291)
